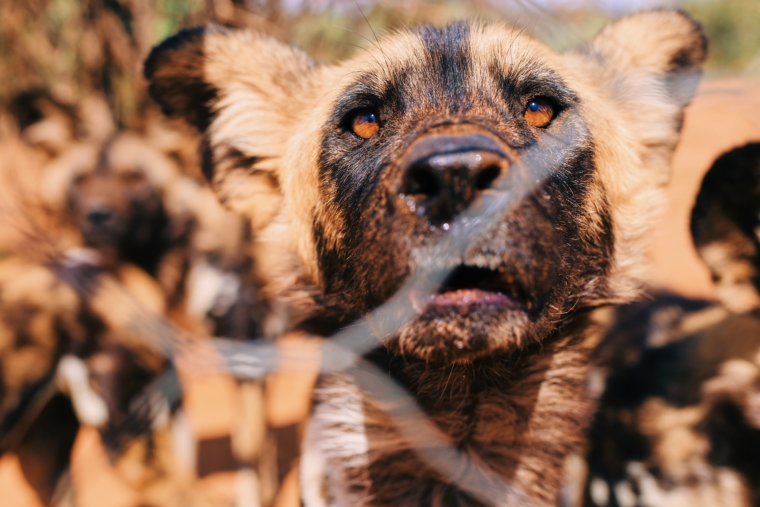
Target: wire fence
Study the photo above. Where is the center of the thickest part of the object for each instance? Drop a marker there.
(258, 357)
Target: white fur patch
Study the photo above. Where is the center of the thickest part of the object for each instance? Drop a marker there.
(335, 443)
(210, 290)
(248, 488)
(73, 377)
(599, 491)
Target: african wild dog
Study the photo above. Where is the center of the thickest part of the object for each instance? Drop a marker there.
(679, 422)
(360, 176)
(65, 357)
(116, 198)
(725, 226)
(126, 208)
(132, 198)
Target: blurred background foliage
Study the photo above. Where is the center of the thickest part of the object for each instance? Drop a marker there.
(80, 50)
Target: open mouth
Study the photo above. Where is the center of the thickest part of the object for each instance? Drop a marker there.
(469, 286)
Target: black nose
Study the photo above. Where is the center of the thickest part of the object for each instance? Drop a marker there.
(445, 173)
(99, 216)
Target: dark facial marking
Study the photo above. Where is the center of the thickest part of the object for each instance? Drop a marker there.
(207, 159)
(448, 57)
(534, 254)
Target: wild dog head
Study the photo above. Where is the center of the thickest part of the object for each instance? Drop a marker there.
(112, 199)
(522, 180)
(111, 187)
(725, 226)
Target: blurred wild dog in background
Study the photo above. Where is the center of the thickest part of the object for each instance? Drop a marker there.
(123, 212)
(725, 227)
(497, 193)
(679, 422)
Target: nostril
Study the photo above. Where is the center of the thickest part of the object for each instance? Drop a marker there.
(486, 176)
(99, 216)
(422, 180)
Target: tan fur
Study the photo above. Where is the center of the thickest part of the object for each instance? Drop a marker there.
(60, 300)
(272, 99)
(267, 112)
(664, 449)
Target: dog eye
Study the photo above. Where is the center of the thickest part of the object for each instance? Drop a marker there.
(365, 123)
(539, 112)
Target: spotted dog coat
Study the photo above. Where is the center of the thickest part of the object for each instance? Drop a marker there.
(64, 358)
(354, 175)
(45, 323)
(725, 227)
(678, 423)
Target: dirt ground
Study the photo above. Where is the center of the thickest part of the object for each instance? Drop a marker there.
(723, 116)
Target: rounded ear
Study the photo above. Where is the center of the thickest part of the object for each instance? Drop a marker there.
(197, 73)
(648, 65)
(246, 93)
(175, 71)
(725, 226)
(665, 43)
(659, 41)
(44, 122)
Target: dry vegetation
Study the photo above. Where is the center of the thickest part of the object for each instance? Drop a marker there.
(79, 50)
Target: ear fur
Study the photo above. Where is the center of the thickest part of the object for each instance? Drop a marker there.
(650, 64)
(642, 71)
(177, 82)
(245, 92)
(658, 42)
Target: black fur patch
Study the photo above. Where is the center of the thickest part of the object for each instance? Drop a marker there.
(691, 56)
(44, 453)
(732, 186)
(175, 72)
(28, 107)
(448, 57)
(207, 159)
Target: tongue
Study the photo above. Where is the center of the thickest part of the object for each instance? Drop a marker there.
(463, 298)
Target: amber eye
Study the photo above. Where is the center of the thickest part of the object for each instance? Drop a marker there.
(365, 123)
(539, 112)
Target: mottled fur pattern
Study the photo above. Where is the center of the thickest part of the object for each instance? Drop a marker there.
(518, 414)
(112, 200)
(725, 226)
(336, 235)
(678, 420)
(678, 423)
(135, 242)
(134, 197)
(45, 319)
